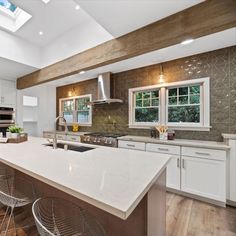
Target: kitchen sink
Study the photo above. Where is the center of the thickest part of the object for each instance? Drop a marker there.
(71, 147)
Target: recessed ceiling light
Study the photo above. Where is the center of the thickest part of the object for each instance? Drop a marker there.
(187, 41)
(77, 7)
(46, 1)
(82, 72)
(40, 32)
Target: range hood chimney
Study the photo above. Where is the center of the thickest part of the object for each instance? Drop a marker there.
(105, 90)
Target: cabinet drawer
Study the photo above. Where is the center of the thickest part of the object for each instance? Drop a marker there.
(61, 136)
(48, 135)
(204, 153)
(73, 138)
(162, 148)
(131, 145)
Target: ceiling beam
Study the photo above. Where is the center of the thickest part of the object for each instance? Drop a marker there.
(200, 20)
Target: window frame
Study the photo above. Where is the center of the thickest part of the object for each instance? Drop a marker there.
(74, 111)
(203, 125)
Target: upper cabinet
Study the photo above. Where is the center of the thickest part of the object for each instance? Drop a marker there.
(7, 93)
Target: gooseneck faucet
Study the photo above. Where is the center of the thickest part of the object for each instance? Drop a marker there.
(55, 130)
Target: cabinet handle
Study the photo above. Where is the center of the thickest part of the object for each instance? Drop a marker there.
(183, 164)
(203, 153)
(178, 162)
(130, 145)
(163, 149)
(73, 139)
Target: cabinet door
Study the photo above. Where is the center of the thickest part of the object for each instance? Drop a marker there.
(204, 177)
(8, 93)
(173, 173)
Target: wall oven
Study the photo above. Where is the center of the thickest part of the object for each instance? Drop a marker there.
(7, 118)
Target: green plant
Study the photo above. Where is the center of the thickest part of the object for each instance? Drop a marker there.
(14, 129)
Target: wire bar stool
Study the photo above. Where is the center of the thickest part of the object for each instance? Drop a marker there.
(14, 192)
(58, 217)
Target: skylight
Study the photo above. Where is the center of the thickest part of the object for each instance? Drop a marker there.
(8, 5)
(11, 16)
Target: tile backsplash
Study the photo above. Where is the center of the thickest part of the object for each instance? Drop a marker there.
(219, 65)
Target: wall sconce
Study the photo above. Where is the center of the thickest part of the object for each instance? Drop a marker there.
(161, 76)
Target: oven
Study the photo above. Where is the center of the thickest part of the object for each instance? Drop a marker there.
(7, 118)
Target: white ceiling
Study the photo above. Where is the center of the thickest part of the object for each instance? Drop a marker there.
(11, 70)
(54, 19)
(222, 39)
(120, 17)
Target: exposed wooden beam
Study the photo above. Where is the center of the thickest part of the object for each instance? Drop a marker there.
(200, 20)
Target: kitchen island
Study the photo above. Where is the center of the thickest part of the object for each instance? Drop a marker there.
(124, 189)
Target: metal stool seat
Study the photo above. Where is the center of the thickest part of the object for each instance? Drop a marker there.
(14, 192)
(58, 217)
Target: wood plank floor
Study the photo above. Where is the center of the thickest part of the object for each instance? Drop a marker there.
(185, 217)
(188, 217)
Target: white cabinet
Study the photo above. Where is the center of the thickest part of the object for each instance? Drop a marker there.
(204, 177)
(193, 170)
(173, 167)
(131, 145)
(7, 93)
(173, 173)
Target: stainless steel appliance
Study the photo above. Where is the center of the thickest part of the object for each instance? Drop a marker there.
(7, 118)
(103, 139)
(105, 90)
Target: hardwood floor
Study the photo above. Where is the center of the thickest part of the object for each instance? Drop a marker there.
(188, 217)
(185, 217)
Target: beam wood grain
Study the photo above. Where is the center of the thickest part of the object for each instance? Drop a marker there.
(200, 20)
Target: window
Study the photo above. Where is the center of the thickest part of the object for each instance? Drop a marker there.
(11, 16)
(76, 110)
(146, 106)
(184, 104)
(179, 105)
(8, 5)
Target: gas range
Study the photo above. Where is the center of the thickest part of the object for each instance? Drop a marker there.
(104, 139)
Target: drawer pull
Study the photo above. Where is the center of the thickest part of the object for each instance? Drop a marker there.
(73, 139)
(183, 164)
(178, 162)
(164, 149)
(130, 145)
(203, 153)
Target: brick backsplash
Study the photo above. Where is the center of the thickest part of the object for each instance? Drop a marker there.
(219, 65)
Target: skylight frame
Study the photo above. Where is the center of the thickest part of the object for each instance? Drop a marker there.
(13, 20)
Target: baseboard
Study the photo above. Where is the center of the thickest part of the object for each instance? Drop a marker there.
(231, 203)
(203, 199)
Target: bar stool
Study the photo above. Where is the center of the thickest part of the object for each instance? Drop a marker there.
(14, 192)
(55, 216)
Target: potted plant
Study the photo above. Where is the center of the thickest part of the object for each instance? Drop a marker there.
(13, 131)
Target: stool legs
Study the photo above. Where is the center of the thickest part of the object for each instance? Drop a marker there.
(11, 216)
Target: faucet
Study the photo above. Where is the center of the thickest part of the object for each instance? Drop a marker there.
(55, 130)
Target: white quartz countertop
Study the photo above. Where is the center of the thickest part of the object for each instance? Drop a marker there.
(179, 142)
(114, 180)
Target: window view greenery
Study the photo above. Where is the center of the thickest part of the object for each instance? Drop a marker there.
(147, 106)
(82, 110)
(76, 110)
(184, 104)
(68, 107)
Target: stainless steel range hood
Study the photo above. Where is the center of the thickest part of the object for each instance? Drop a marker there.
(105, 90)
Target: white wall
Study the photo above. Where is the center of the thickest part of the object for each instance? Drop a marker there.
(74, 41)
(19, 50)
(46, 94)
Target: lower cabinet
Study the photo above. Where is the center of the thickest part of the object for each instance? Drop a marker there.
(173, 173)
(197, 171)
(204, 177)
